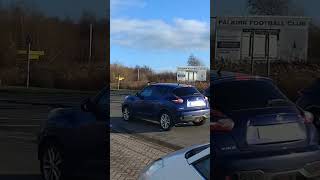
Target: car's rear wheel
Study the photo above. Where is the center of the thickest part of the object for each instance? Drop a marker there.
(165, 121)
(126, 113)
(51, 163)
(199, 122)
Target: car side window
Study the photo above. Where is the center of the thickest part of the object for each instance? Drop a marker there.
(159, 91)
(203, 166)
(146, 92)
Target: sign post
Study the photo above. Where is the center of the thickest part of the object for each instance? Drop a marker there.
(90, 44)
(119, 79)
(268, 54)
(28, 58)
(251, 51)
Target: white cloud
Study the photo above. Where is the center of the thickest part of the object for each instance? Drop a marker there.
(182, 34)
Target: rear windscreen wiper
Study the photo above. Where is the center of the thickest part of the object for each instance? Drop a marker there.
(275, 102)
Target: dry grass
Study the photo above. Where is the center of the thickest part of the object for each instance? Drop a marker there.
(68, 76)
(138, 85)
(146, 74)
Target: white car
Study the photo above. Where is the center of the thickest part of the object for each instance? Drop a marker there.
(191, 163)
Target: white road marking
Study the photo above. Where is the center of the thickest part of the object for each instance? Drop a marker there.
(19, 125)
(18, 118)
(22, 138)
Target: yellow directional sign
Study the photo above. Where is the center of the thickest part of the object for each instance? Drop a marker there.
(120, 78)
(39, 53)
(34, 57)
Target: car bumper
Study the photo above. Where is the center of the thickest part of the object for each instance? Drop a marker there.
(191, 116)
(306, 164)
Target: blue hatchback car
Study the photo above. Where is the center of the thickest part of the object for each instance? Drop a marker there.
(258, 133)
(168, 104)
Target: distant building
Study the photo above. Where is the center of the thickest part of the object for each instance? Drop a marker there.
(258, 38)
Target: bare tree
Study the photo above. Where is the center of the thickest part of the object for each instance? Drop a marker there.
(64, 41)
(269, 7)
(194, 61)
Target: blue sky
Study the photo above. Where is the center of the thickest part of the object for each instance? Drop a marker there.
(160, 34)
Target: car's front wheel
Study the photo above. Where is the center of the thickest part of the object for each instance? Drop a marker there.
(51, 163)
(126, 114)
(199, 122)
(165, 121)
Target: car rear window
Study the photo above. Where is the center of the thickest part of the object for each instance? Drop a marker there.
(203, 167)
(195, 151)
(186, 91)
(239, 95)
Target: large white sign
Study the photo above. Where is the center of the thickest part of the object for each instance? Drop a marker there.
(192, 73)
(261, 37)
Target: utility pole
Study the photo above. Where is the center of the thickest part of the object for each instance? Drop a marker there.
(28, 59)
(138, 74)
(90, 43)
(268, 54)
(119, 81)
(252, 50)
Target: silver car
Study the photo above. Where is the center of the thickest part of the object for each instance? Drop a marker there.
(191, 163)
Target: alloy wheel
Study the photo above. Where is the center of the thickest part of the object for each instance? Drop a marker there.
(126, 114)
(165, 121)
(52, 164)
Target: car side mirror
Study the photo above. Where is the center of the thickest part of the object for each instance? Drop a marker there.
(87, 105)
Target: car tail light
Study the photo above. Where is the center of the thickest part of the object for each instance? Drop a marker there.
(308, 117)
(178, 100)
(242, 77)
(222, 125)
(217, 114)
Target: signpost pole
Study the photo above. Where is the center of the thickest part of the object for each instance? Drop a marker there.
(90, 43)
(119, 82)
(28, 75)
(268, 59)
(252, 48)
(28, 58)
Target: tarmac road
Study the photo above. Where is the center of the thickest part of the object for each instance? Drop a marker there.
(21, 115)
(19, 125)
